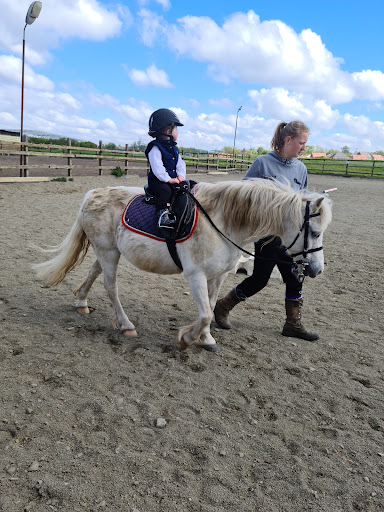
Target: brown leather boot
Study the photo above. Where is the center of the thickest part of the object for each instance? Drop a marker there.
(293, 326)
(224, 306)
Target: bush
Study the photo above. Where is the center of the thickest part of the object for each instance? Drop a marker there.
(117, 171)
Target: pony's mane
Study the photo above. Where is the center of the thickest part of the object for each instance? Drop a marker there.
(236, 200)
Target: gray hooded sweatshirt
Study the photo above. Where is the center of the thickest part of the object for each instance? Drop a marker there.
(272, 166)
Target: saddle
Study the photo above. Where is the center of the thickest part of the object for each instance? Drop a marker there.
(140, 216)
(182, 207)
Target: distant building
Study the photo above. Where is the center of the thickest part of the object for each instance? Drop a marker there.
(318, 155)
(360, 157)
(9, 136)
(340, 156)
(377, 157)
(364, 153)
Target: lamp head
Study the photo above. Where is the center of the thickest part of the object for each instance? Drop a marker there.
(33, 12)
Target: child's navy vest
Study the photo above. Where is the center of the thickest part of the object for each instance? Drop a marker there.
(169, 155)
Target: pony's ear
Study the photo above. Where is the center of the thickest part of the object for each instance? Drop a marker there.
(317, 204)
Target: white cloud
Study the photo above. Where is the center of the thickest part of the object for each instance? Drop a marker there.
(83, 19)
(284, 105)
(152, 27)
(10, 71)
(7, 119)
(151, 76)
(369, 84)
(268, 52)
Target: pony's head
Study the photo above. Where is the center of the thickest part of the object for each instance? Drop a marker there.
(306, 244)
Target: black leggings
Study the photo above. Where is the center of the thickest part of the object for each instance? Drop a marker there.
(262, 270)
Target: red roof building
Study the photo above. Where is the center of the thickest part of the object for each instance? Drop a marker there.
(318, 155)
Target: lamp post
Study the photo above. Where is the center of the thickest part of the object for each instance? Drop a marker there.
(32, 15)
(234, 140)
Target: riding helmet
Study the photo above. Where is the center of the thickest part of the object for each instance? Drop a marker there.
(160, 119)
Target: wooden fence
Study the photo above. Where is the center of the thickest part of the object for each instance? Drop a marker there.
(27, 158)
(359, 168)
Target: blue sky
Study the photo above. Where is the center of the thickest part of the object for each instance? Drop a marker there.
(95, 70)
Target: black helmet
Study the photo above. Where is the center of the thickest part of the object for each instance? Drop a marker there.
(160, 119)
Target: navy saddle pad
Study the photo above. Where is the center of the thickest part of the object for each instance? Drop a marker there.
(141, 218)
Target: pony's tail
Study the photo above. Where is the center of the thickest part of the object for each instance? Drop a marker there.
(69, 253)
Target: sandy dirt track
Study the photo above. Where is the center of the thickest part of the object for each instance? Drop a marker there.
(271, 424)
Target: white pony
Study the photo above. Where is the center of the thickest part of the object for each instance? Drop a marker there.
(244, 211)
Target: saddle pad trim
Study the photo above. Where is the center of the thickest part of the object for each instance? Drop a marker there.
(153, 236)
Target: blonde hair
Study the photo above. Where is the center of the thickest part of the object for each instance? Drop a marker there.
(292, 129)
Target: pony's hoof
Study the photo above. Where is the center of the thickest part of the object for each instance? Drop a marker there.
(211, 348)
(83, 310)
(129, 332)
(183, 345)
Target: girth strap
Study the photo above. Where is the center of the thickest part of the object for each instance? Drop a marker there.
(171, 244)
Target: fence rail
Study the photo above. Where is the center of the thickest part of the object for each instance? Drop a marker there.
(359, 168)
(26, 158)
(19, 156)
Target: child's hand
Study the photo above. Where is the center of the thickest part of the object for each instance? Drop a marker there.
(173, 181)
(180, 178)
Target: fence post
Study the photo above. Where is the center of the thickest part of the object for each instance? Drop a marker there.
(100, 157)
(126, 159)
(373, 166)
(346, 168)
(69, 158)
(25, 156)
(322, 172)
(208, 161)
(217, 162)
(197, 162)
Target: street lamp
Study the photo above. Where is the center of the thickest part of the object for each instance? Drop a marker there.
(32, 15)
(234, 140)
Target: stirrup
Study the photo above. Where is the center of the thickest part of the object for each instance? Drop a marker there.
(165, 221)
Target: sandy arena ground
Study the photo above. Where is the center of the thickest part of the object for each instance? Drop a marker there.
(271, 424)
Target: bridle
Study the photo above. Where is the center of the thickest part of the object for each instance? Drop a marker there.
(305, 226)
(301, 264)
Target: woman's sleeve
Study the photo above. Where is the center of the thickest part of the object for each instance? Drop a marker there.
(157, 166)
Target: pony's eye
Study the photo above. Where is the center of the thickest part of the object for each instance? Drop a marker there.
(316, 234)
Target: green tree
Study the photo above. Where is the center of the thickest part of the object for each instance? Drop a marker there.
(309, 149)
(345, 149)
(110, 145)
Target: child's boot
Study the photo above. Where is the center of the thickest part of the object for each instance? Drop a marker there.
(166, 219)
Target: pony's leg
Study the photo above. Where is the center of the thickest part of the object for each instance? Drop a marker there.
(199, 331)
(109, 260)
(82, 292)
(214, 286)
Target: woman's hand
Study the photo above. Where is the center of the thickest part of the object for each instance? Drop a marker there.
(173, 181)
(180, 178)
